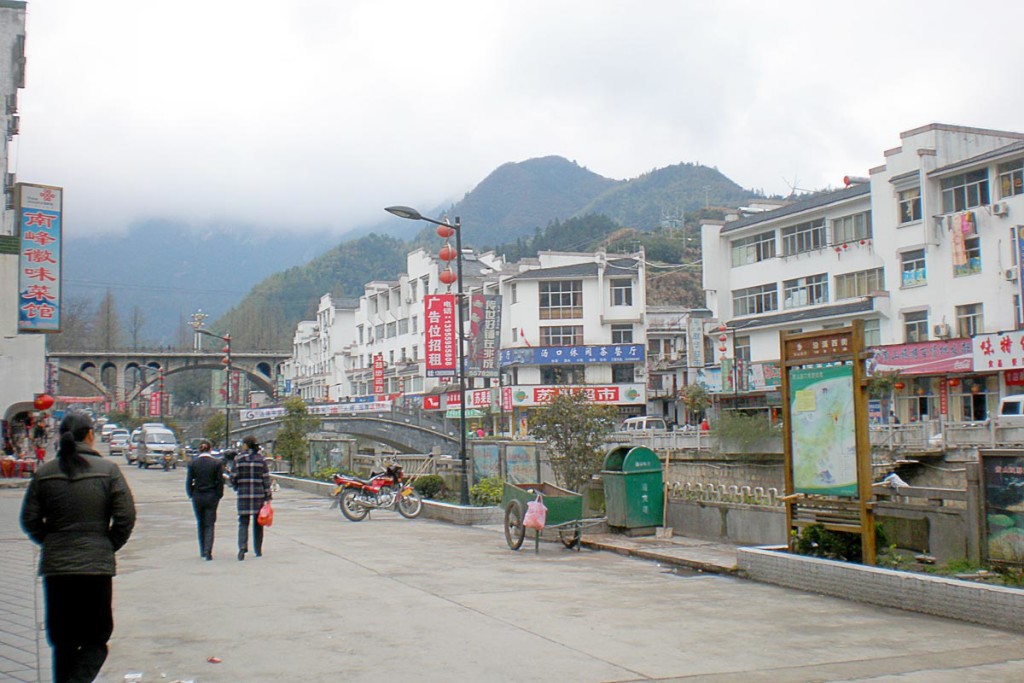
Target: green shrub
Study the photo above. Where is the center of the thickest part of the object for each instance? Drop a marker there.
(430, 486)
(327, 473)
(486, 492)
(817, 541)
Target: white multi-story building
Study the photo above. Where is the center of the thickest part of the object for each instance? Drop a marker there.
(22, 356)
(567, 320)
(923, 251)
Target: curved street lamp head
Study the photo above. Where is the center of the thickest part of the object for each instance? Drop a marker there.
(405, 212)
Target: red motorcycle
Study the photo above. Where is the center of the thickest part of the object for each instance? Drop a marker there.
(385, 491)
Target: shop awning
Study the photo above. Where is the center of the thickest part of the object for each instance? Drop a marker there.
(454, 413)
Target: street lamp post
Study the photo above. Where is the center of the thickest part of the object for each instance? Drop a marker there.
(226, 360)
(414, 215)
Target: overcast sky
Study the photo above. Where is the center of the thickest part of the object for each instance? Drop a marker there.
(315, 114)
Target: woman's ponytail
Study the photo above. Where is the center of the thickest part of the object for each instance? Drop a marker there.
(74, 428)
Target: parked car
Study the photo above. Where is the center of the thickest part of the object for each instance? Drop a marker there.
(644, 423)
(119, 441)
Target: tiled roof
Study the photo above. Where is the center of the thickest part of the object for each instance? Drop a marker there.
(817, 313)
(588, 269)
(813, 202)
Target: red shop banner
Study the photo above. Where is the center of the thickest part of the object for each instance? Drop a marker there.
(439, 335)
(432, 402)
(378, 373)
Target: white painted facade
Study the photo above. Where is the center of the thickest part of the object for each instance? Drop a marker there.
(927, 156)
(22, 356)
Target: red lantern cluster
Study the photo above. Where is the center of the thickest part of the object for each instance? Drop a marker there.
(447, 254)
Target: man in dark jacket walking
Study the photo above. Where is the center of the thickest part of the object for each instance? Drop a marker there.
(250, 478)
(80, 510)
(204, 484)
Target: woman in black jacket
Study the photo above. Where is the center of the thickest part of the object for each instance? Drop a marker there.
(80, 510)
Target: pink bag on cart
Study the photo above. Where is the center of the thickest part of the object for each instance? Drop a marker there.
(536, 514)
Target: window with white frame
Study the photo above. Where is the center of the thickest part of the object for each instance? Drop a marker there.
(805, 291)
(562, 374)
(804, 237)
(623, 373)
(968, 320)
(378, 332)
(1011, 178)
(753, 249)
(392, 330)
(915, 326)
(513, 291)
(972, 251)
(561, 299)
(622, 334)
(851, 228)
(751, 300)
(872, 332)
(622, 291)
(910, 205)
(965, 191)
(412, 289)
(741, 348)
(912, 268)
(860, 283)
(561, 335)
(403, 326)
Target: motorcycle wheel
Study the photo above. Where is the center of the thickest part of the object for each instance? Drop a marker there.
(515, 532)
(350, 507)
(409, 506)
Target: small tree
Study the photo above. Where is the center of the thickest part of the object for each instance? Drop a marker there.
(214, 428)
(696, 399)
(575, 430)
(290, 442)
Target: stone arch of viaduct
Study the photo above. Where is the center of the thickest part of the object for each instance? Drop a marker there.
(91, 367)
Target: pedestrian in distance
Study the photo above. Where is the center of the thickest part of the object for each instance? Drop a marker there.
(250, 477)
(79, 508)
(204, 484)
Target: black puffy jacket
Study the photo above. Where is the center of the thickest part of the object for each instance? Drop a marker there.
(80, 521)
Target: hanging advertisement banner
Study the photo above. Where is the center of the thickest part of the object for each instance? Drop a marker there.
(1000, 351)
(39, 267)
(555, 355)
(439, 335)
(695, 343)
(378, 373)
(1019, 232)
(484, 335)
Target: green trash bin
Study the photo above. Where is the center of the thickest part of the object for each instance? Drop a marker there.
(633, 488)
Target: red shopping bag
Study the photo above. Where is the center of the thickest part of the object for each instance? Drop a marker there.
(266, 515)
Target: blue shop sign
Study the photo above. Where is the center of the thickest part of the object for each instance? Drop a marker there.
(554, 355)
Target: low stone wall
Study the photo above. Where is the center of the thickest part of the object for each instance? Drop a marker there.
(432, 509)
(983, 604)
(727, 522)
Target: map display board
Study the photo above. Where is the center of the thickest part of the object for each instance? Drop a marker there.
(824, 451)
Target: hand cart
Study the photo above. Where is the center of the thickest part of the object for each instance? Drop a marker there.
(564, 515)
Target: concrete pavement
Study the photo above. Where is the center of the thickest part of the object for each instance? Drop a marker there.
(335, 600)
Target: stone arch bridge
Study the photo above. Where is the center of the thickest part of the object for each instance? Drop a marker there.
(405, 431)
(109, 371)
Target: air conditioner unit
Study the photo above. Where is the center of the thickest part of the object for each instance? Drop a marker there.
(941, 331)
(1010, 274)
(408, 300)
(1000, 209)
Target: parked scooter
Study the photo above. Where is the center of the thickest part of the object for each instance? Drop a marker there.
(385, 491)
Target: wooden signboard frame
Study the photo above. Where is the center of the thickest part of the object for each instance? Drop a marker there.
(843, 346)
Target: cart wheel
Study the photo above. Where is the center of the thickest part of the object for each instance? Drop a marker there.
(570, 538)
(515, 532)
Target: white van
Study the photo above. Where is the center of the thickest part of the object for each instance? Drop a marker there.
(157, 442)
(644, 423)
(1011, 411)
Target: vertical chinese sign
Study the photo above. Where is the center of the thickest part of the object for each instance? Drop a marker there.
(39, 268)
(484, 335)
(1020, 272)
(378, 373)
(439, 335)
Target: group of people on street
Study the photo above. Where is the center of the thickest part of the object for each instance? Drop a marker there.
(80, 510)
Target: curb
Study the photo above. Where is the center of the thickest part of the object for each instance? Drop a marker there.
(655, 556)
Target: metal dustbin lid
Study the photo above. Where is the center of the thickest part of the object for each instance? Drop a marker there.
(614, 460)
(641, 459)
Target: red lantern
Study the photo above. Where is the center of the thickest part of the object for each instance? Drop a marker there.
(863, 242)
(722, 338)
(846, 246)
(445, 231)
(838, 250)
(447, 277)
(447, 253)
(899, 386)
(975, 388)
(43, 402)
(954, 382)
(722, 348)
(723, 327)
